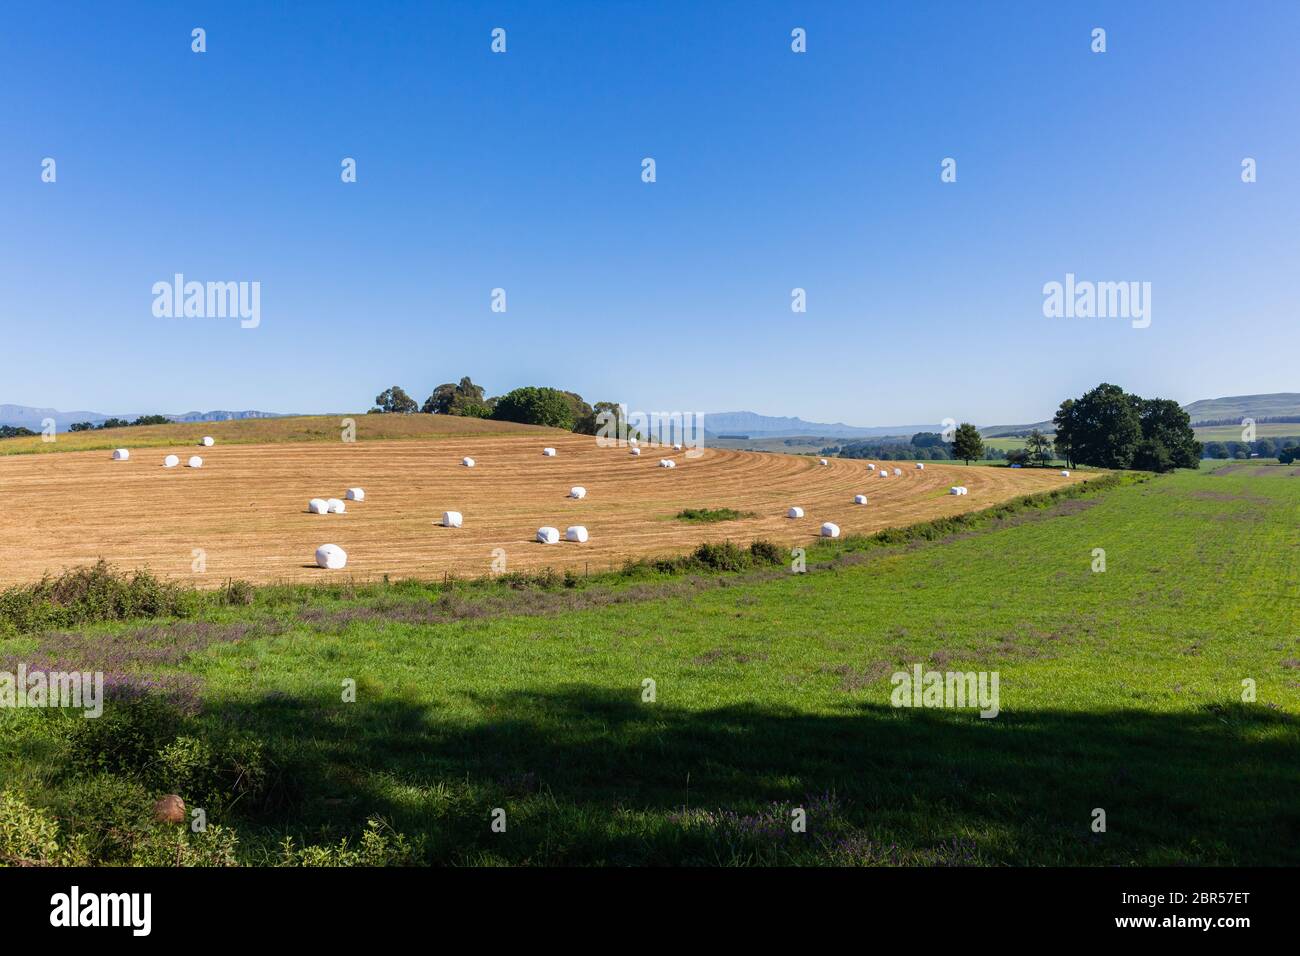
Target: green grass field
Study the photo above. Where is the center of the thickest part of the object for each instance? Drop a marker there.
(1120, 690)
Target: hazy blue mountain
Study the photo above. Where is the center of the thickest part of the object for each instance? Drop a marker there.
(27, 416)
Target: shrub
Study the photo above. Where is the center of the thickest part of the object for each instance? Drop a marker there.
(27, 835)
(765, 552)
(726, 556)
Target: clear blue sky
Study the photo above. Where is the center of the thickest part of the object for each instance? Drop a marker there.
(775, 170)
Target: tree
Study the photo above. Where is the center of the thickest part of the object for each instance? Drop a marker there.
(1101, 428)
(1164, 422)
(1289, 454)
(967, 443)
(1152, 455)
(1216, 449)
(1039, 447)
(464, 399)
(531, 405)
(15, 431)
(81, 427)
(927, 440)
(113, 423)
(1018, 456)
(152, 420)
(394, 400)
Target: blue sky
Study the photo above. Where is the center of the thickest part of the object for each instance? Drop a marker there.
(775, 170)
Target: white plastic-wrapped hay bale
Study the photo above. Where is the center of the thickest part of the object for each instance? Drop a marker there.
(548, 535)
(121, 454)
(667, 463)
(452, 519)
(677, 446)
(336, 507)
(794, 513)
(954, 490)
(195, 461)
(671, 463)
(883, 473)
(859, 499)
(356, 494)
(830, 530)
(467, 462)
(920, 466)
(635, 451)
(1065, 474)
(577, 491)
(208, 441)
(548, 452)
(822, 461)
(318, 506)
(171, 461)
(576, 533)
(331, 556)
(871, 466)
(898, 471)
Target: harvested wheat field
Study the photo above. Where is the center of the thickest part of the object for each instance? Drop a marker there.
(246, 509)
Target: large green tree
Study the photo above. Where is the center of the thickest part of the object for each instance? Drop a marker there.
(967, 443)
(532, 405)
(463, 398)
(1110, 428)
(394, 400)
(1101, 428)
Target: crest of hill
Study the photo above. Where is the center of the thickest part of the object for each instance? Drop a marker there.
(259, 431)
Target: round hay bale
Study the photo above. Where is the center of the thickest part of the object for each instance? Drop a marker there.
(830, 530)
(954, 490)
(823, 461)
(635, 451)
(677, 446)
(467, 462)
(356, 494)
(171, 461)
(794, 513)
(859, 499)
(898, 471)
(1065, 474)
(575, 532)
(883, 473)
(452, 519)
(207, 441)
(331, 557)
(548, 535)
(169, 809)
(920, 466)
(121, 454)
(577, 491)
(318, 506)
(335, 506)
(195, 461)
(548, 452)
(870, 467)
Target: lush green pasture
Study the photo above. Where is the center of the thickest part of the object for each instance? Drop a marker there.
(1120, 690)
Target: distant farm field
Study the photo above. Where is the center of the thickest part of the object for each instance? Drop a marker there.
(244, 515)
(1209, 433)
(256, 431)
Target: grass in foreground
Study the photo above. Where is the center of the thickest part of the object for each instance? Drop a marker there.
(1120, 690)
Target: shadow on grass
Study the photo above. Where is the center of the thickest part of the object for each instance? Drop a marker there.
(590, 775)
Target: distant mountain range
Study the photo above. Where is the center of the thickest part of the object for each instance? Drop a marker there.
(769, 426)
(26, 416)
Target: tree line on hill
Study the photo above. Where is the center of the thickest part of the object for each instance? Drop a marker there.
(528, 405)
(1284, 449)
(120, 423)
(923, 446)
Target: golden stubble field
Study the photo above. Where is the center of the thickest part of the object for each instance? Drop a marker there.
(246, 509)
